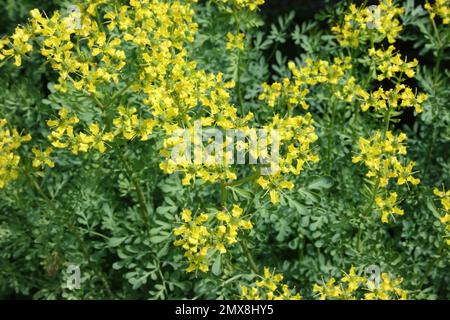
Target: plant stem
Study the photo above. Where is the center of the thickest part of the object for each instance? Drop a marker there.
(249, 178)
(223, 194)
(248, 256)
(140, 194)
(387, 118)
(433, 107)
(367, 208)
(376, 186)
(330, 135)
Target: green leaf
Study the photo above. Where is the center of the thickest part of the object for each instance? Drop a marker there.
(115, 242)
(301, 209)
(321, 183)
(432, 208)
(243, 193)
(158, 239)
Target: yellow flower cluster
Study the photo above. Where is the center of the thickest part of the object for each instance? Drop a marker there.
(270, 287)
(355, 287)
(194, 240)
(374, 22)
(235, 41)
(401, 96)
(293, 92)
(380, 154)
(445, 202)
(439, 8)
(229, 225)
(10, 141)
(349, 90)
(388, 206)
(274, 184)
(63, 135)
(91, 53)
(131, 126)
(200, 240)
(213, 94)
(249, 4)
(296, 135)
(87, 55)
(390, 63)
(16, 46)
(388, 289)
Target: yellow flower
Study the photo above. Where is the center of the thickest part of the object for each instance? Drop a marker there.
(42, 158)
(445, 203)
(62, 125)
(328, 290)
(98, 139)
(186, 215)
(388, 207)
(353, 281)
(10, 141)
(235, 41)
(20, 46)
(230, 224)
(440, 8)
(404, 173)
(270, 287)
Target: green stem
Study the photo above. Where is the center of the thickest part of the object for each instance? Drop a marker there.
(387, 118)
(248, 256)
(274, 50)
(140, 194)
(330, 135)
(376, 186)
(368, 208)
(117, 95)
(249, 178)
(430, 147)
(98, 102)
(238, 84)
(433, 111)
(223, 194)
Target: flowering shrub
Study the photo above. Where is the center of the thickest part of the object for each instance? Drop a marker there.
(340, 125)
